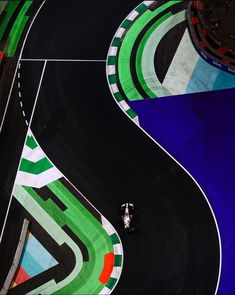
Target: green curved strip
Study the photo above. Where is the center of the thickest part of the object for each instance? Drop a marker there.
(124, 70)
(88, 229)
(145, 60)
(17, 30)
(139, 55)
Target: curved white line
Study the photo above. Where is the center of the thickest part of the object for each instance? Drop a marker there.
(161, 147)
(16, 69)
(17, 66)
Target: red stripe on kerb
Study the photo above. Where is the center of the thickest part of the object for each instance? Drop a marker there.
(108, 268)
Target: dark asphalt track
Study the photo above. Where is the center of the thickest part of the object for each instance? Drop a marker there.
(175, 249)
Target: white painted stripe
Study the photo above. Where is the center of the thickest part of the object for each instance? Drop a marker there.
(38, 181)
(114, 88)
(21, 104)
(117, 249)
(113, 50)
(62, 60)
(132, 15)
(19, 94)
(120, 32)
(19, 66)
(23, 113)
(124, 105)
(136, 120)
(105, 291)
(148, 3)
(116, 272)
(180, 70)
(112, 70)
(18, 75)
(18, 84)
(107, 226)
(33, 155)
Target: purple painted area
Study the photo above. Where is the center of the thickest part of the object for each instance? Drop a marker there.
(199, 131)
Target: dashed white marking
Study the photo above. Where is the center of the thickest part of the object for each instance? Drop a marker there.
(23, 113)
(19, 75)
(21, 104)
(18, 84)
(19, 93)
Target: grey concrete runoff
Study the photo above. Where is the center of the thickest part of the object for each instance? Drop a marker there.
(16, 259)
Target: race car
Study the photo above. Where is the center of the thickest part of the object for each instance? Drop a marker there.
(127, 212)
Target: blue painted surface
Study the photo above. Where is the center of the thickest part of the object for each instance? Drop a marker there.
(199, 131)
(30, 265)
(206, 77)
(35, 258)
(40, 254)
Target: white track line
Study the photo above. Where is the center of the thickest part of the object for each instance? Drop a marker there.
(28, 124)
(161, 147)
(62, 60)
(18, 66)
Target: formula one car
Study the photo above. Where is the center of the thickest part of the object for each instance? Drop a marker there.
(127, 212)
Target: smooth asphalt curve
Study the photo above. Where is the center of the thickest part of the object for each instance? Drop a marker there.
(175, 249)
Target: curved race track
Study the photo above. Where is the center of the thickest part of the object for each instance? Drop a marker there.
(175, 249)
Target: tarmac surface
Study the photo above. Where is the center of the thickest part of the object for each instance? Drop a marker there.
(175, 248)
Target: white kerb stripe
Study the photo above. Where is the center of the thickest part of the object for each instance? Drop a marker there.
(114, 88)
(33, 155)
(124, 105)
(113, 50)
(148, 3)
(116, 272)
(111, 70)
(117, 249)
(107, 226)
(136, 120)
(105, 291)
(133, 15)
(38, 181)
(120, 32)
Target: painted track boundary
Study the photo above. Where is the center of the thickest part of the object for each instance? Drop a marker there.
(111, 72)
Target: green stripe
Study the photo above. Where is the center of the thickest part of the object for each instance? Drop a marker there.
(35, 168)
(118, 260)
(141, 8)
(111, 60)
(126, 23)
(140, 51)
(112, 79)
(111, 283)
(124, 69)
(115, 239)
(116, 42)
(131, 113)
(91, 232)
(17, 30)
(118, 96)
(31, 143)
